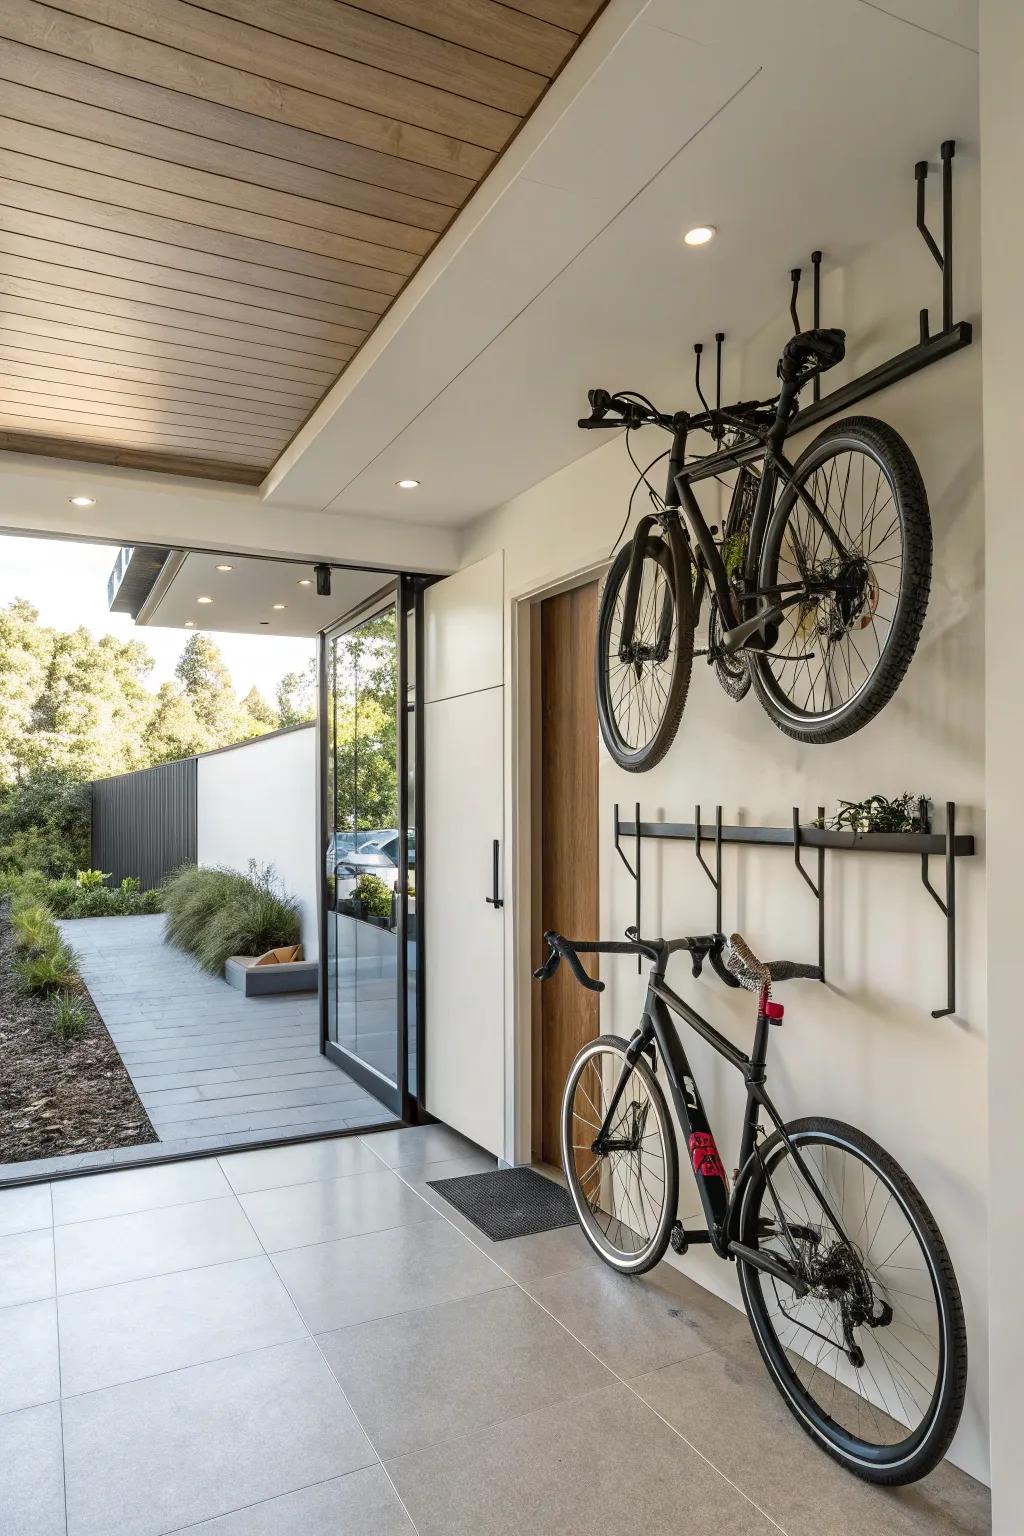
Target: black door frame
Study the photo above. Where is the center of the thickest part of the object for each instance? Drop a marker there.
(398, 1097)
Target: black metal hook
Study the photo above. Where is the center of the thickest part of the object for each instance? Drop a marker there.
(816, 309)
(947, 907)
(634, 872)
(716, 878)
(698, 348)
(795, 276)
(944, 257)
(817, 890)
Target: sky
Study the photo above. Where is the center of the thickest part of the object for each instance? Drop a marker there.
(67, 582)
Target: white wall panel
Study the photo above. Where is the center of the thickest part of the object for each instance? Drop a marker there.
(464, 625)
(258, 801)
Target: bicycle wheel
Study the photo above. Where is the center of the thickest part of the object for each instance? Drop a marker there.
(626, 1199)
(641, 693)
(842, 653)
(873, 1360)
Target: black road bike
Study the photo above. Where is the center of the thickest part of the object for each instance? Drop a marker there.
(817, 584)
(846, 1280)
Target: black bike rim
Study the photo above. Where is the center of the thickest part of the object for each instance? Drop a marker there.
(778, 1353)
(621, 1198)
(638, 692)
(830, 649)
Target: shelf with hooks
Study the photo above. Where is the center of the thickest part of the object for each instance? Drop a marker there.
(929, 348)
(949, 845)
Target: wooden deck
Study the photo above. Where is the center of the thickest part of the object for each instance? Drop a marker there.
(210, 1065)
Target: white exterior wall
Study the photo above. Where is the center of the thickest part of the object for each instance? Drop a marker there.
(1002, 235)
(864, 1047)
(258, 801)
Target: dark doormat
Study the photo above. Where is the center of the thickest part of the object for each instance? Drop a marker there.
(511, 1202)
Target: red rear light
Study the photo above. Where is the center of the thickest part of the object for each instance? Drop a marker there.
(773, 1010)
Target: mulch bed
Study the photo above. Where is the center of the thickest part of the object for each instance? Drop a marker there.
(57, 1099)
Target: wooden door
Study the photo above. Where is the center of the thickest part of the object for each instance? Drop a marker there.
(567, 827)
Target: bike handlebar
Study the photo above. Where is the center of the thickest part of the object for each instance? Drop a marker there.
(702, 947)
(631, 413)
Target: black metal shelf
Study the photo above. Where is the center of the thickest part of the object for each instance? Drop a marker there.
(947, 845)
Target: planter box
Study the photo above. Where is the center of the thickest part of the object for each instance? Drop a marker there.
(254, 980)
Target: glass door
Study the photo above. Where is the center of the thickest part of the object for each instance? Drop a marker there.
(366, 876)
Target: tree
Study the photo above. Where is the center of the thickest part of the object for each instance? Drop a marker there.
(259, 712)
(296, 696)
(207, 684)
(363, 699)
(173, 730)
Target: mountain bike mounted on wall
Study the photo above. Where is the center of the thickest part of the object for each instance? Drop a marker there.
(846, 1280)
(817, 584)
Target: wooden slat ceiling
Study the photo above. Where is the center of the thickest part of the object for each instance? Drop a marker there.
(206, 208)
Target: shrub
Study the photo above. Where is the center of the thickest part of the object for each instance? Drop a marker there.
(216, 913)
(25, 890)
(373, 895)
(44, 823)
(61, 896)
(97, 901)
(68, 1017)
(33, 929)
(91, 879)
(51, 970)
(130, 886)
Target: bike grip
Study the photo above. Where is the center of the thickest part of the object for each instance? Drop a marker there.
(581, 976)
(715, 956)
(550, 965)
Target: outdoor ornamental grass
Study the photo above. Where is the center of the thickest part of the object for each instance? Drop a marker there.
(213, 914)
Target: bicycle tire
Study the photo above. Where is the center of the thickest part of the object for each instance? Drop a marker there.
(906, 1461)
(623, 1262)
(671, 554)
(884, 446)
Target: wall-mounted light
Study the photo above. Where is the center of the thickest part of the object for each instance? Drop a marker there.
(82, 501)
(204, 599)
(323, 580)
(700, 234)
(225, 567)
(407, 485)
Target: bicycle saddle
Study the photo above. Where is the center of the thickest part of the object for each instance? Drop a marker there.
(820, 349)
(739, 959)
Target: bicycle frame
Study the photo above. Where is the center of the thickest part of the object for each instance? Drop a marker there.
(738, 629)
(721, 1209)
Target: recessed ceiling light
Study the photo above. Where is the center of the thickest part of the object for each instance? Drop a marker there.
(204, 599)
(407, 485)
(277, 607)
(82, 501)
(700, 235)
(305, 581)
(225, 567)
(190, 623)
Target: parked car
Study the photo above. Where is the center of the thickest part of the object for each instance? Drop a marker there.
(344, 844)
(377, 856)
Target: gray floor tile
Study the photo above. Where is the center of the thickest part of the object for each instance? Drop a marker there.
(359, 1278)
(303, 1164)
(29, 1369)
(136, 1189)
(124, 1332)
(448, 1370)
(317, 1213)
(117, 1248)
(361, 1504)
(25, 1210)
(414, 1146)
(602, 1462)
(31, 1472)
(636, 1325)
(725, 1403)
(174, 1450)
(26, 1267)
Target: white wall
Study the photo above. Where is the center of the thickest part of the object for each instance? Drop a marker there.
(864, 1047)
(1002, 233)
(258, 801)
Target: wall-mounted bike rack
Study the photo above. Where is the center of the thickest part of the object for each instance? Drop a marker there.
(924, 844)
(929, 348)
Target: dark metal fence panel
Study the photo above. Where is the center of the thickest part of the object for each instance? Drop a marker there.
(144, 823)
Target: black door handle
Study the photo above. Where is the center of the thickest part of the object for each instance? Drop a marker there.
(495, 900)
